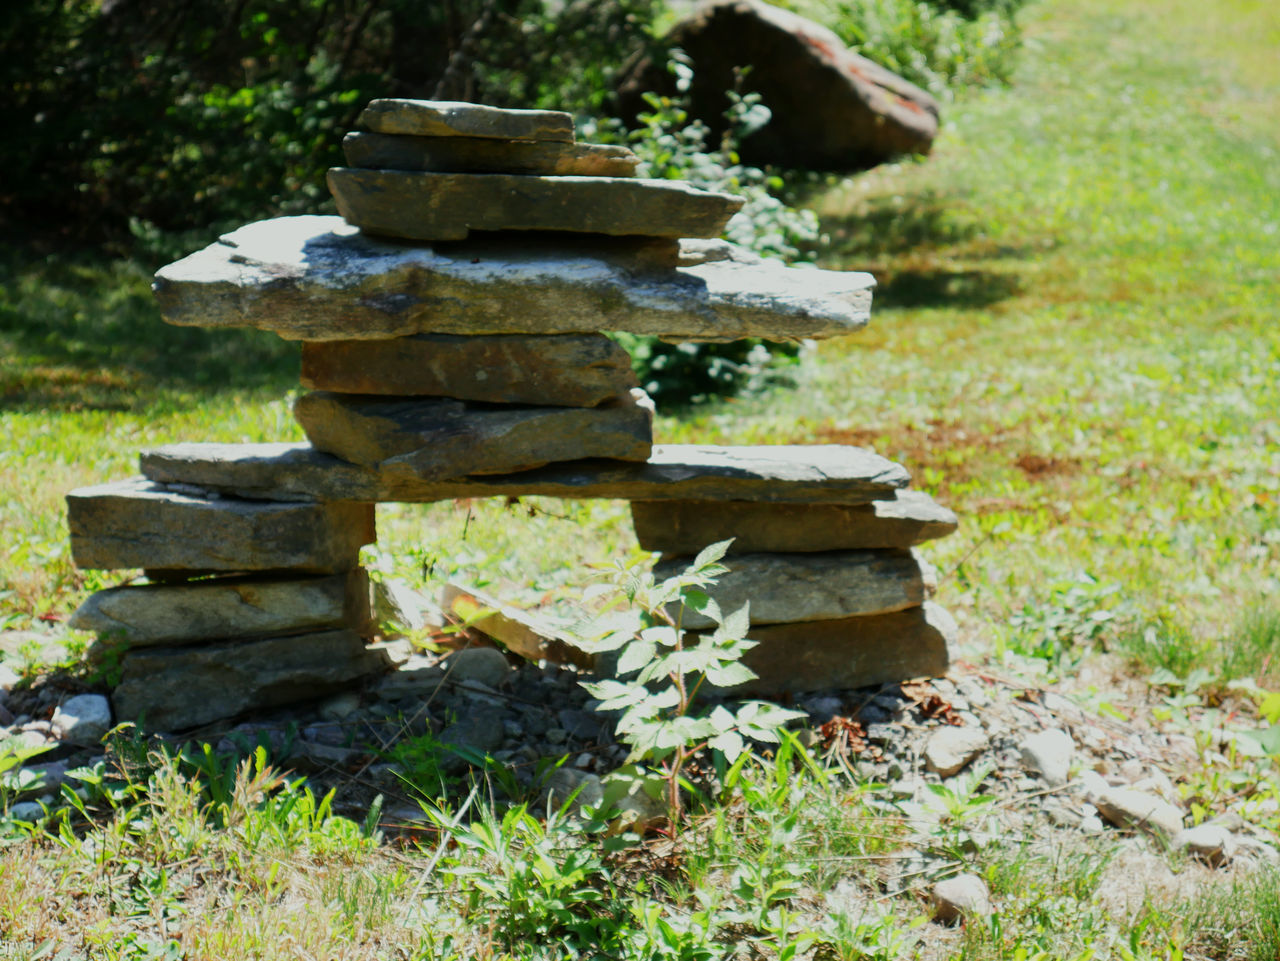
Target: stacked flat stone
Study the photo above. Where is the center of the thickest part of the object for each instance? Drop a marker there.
(451, 324)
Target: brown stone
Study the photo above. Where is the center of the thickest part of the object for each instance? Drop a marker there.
(318, 278)
(483, 156)
(520, 631)
(849, 652)
(784, 588)
(451, 118)
(414, 205)
(227, 607)
(437, 438)
(566, 370)
(174, 688)
(827, 474)
(685, 527)
(135, 523)
(831, 108)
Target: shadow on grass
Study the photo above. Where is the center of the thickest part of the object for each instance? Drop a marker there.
(945, 288)
(82, 333)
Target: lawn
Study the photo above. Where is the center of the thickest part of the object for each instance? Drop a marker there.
(1073, 345)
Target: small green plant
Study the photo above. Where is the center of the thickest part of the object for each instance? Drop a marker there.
(660, 723)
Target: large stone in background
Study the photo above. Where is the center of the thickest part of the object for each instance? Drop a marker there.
(850, 652)
(480, 156)
(417, 205)
(437, 438)
(318, 278)
(825, 474)
(784, 588)
(831, 109)
(525, 633)
(685, 527)
(174, 688)
(567, 370)
(227, 607)
(452, 118)
(135, 523)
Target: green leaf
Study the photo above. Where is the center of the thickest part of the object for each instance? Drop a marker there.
(737, 624)
(709, 555)
(636, 655)
(729, 743)
(730, 674)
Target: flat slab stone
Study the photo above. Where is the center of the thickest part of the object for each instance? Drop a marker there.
(829, 474)
(418, 205)
(174, 688)
(564, 370)
(438, 438)
(479, 155)
(319, 278)
(685, 527)
(452, 118)
(135, 523)
(784, 588)
(523, 633)
(849, 652)
(227, 607)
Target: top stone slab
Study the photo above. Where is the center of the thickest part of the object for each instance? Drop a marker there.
(448, 118)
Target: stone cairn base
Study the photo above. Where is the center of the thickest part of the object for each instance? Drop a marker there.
(450, 322)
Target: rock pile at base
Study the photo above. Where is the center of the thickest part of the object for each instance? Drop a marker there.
(444, 366)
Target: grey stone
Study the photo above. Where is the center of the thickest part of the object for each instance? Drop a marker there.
(584, 725)
(562, 370)
(949, 749)
(521, 632)
(564, 781)
(29, 811)
(340, 706)
(83, 720)
(963, 896)
(1048, 753)
(1128, 808)
(849, 652)
(685, 527)
(473, 734)
(8, 680)
(1211, 843)
(227, 607)
(487, 665)
(423, 206)
(398, 607)
(174, 688)
(785, 588)
(419, 677)
(135, 523)
(780, 474)
(451, 118)
(438, 439)
(478, 155)
(318, 278)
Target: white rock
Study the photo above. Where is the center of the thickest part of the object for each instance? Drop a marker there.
(26, 811)
(950, 748)
(1211, 843)
(488, 665)
(83, 719)
(964, 896)
(339, 706)
(1048, 754)
(8, 678)
(564, 781)
(1126, 807)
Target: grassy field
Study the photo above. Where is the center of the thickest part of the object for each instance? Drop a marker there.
(1073, 345)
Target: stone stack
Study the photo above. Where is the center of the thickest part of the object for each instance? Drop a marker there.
(452, 325)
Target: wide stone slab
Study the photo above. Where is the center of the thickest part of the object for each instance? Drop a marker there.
(436, 438)
(418, 205)
(522, 632)
(849, 652)
(685, 527)
(824, 474)
(452, 118)
(483, 156)
(784, 588)
(135, 523)
(318, 278)
(565, 370)
(227, 607)
(174, 688)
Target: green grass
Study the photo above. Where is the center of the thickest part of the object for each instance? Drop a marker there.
(1073, 346)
